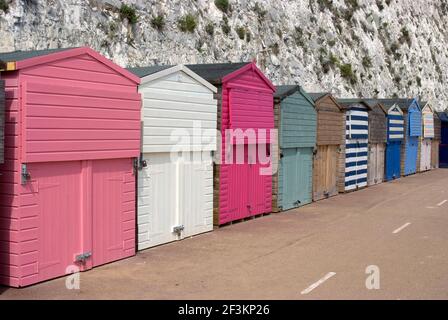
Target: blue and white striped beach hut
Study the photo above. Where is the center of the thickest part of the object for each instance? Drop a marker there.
(395, 136)
(354, 162)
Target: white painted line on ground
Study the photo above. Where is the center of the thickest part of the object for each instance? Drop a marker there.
(318, 283)
(441, 203)
(401, 228)
(430, 207)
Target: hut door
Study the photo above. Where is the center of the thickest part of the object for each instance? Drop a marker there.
(157, 201)
(55, 192)
(325, 172)
(376, 163)
(410, 164)
(425, 155)
(112, 208)
(195, 193)
(393, 160)
(290, 168)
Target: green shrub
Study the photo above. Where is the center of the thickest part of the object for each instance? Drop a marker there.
(4, 6)
(248, 36)
(241, 31)
(225, 26)
(223, 5)
(367, 62)
(210, 28)
(419, 81)
(347, 72)
(187, 23)
(405, 36)
(129, 13)
(158, 22)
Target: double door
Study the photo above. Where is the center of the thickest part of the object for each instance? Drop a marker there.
(376, 163)
(325, 171)
(175, 197)
(85, 214)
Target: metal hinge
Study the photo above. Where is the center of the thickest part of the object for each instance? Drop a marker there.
(297, 203)
(25, 174)
(178, 229)
(83, 257)
(140, 163)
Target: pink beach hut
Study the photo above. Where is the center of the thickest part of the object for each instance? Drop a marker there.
(67, 187)
(245, 101)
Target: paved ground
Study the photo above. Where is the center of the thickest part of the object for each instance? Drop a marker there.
(281, 256)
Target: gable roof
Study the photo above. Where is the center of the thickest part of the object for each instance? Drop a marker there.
(215, 72)
(23, 59)
(284, 91)
(316, 96)
(146, 71)
(426, 104)
(347, 103)
(19, 55)
(404, 104)
(152, 73)
(395, 106)
(443, 116)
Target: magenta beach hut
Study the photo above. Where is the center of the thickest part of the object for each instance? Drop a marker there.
(242, 187)
(67, 187)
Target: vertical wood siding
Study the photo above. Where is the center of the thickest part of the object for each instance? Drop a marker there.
(172, 107)
(395, 136)
(78, 108)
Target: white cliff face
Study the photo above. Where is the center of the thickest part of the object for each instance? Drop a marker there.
(354, 48)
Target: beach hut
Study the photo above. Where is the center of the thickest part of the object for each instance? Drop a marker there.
(243, 174)
(175, 180)
(377, 142)
(67, 189)
(435, 144)
(2, 120)
(295, 118)
(395, 136)
(412, 131)
(329, 141)
(354, 154)
(443, 152)
(425, 141)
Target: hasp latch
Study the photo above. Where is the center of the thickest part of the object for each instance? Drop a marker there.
(83, 257)
(25, 174)
(178, 229)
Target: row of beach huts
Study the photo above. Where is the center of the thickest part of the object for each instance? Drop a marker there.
(97, 161)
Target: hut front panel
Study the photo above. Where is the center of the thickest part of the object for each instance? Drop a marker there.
(325, 172)
(330, 123)
(356, 148)
(428, 125)
(395, 136)
(174, 190)
(245, 92)
(298, 120)
(413, 131)
(179, 113)
(2, 121)
(78, 109)
(377, 126)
